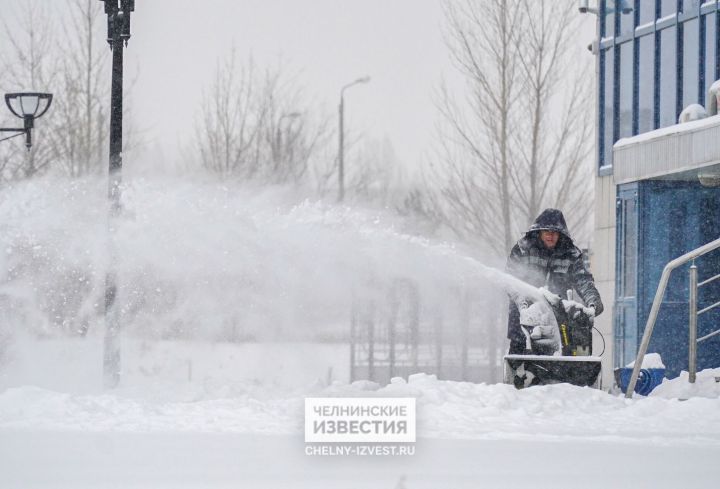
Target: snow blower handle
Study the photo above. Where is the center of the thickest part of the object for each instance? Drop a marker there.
(576, 328)
(538, 324)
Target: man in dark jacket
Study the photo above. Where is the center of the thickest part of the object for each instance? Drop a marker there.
(547, 257)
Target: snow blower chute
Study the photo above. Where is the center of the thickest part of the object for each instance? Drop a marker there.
(558, 345)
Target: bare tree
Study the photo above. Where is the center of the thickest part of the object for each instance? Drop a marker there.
(81, 112)
(509, 148)
(28, 65)
(255, 124)
(293, 134)
(375, 176)
(76, 71)
(229, 131)
(554, 140)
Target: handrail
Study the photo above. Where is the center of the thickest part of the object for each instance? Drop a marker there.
(705, 282)
(710, 335)
(708, 308)
(659, 294)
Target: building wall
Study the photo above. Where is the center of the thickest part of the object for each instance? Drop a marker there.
(602, 264)
(653, 61)
(654, 58)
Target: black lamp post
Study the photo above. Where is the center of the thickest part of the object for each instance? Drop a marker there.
(118, 15)
(28, 106)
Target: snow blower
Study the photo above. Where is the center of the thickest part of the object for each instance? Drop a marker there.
(558, 345)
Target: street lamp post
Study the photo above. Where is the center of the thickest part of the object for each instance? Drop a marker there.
(341, 130)
(118, 34)
(278, 135)
(28, 106)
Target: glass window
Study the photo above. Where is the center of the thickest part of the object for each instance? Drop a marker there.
(608, 85)
(668, 79)
(691, 60)
(668, 7)
(608, 27)
(627, 18)
(646, 85)
(629, 248)
(647, 12)
(690, 5)
(710, 50)
(626, 89)
(708, 232)
(677, 217)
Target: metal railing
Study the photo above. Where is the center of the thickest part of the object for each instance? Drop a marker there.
(694, 313)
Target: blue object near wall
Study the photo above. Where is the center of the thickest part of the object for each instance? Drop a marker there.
(648, 379)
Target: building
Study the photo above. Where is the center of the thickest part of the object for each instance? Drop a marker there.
(656, 186)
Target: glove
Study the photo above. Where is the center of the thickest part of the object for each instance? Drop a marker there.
(540, 327)
(543, 334)
(545, 339)
(574, 310)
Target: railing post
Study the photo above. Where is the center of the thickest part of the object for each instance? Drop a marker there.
(664, 278)
(692, 336)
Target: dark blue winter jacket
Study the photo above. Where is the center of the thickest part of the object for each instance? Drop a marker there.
(559, 269)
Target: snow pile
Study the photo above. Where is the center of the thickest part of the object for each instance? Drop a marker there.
(707, 384)
(650, 360)
(445, 410)
(693, 112)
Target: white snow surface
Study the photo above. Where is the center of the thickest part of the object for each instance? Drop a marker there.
(445, 410)
(693, 112)
(650, 360)
(707, 384)
(237, 421)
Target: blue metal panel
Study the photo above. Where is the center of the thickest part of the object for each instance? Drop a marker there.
(677, 217)
(627, 247)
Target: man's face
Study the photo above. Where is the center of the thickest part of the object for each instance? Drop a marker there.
(549, 238)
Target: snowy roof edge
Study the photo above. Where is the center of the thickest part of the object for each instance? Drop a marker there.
(667, 151)
(664, 131)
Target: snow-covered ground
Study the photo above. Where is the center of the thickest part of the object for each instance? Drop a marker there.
(469, 436)
(231, 415)
(224, 296)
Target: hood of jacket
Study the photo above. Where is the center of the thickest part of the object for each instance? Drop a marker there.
(550, 220)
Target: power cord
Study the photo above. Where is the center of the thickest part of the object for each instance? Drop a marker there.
(603, 340)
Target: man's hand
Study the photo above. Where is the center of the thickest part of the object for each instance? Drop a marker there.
(545, 337)
(578, 313)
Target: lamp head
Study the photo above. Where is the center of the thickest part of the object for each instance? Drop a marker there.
(28, 104)
(364, 79)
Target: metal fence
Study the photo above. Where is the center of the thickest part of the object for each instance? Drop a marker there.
(399, 331)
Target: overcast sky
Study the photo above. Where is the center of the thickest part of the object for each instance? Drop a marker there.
(176, 44)
(398, 43)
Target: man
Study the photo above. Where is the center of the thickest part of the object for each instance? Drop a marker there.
(547, 257)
